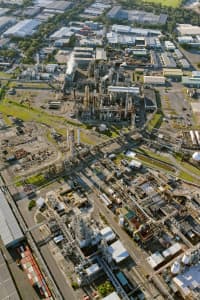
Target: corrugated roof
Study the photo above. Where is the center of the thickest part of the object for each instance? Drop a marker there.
(9, 228)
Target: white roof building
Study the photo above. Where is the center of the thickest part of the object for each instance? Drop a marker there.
(63, 32)
(155, 260)
(118, 252)
(23, 28)
(156, 80)
(169, 45)
(10, 231)
(122, 89)
(188, 29)
(185, 39)
(174, 249)
(107, 234)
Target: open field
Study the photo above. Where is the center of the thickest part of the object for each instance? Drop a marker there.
(171, 3)
(155, 122)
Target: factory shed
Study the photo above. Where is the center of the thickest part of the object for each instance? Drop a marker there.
(191, 81)
(184, 63)
(118, 252)
(123, 89)
(196, 74)
(173, 73)
(23, 28)
(63, 32)
(6, 22)
(155, 260)
(107, 234)
(171, 251)
(188, 29)
(112, 296)
(58, 6)
(155, 80)
(10, 231)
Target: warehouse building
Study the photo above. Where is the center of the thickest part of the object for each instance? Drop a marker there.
(118, 252)
(10, 231)
(155, 60)
(6, 22)
(167, 60)
(123, 29)
(153, 43)
(184, 63)
(122, 39)
(188, 29)
(138, 16)
(196, 74)
(154, 80)
(193, 82)
(186, 39)
(58, 7)
(178, 54)
(169, 46)
(117, 13)
(63, 32)
(175, 74)
(23, 28)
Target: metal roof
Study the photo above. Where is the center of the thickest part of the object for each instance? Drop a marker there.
(175, 248)
(118, 252)
(23, 28)
(123, 89)
(155, 259)
(9, 228)
(107, 234)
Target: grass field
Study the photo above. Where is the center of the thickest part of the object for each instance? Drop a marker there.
(171, 3)
(155, 122)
